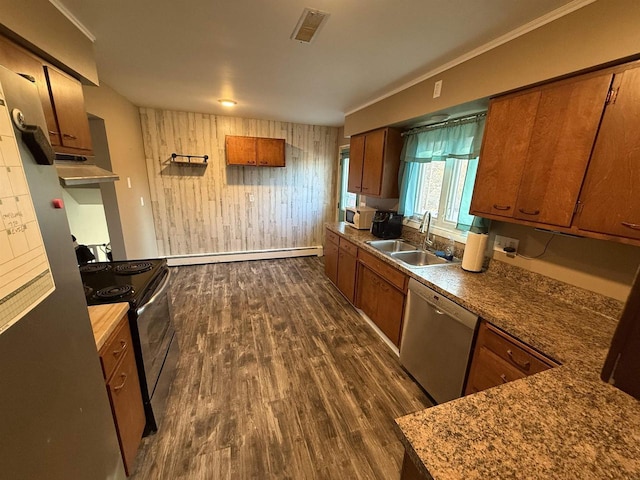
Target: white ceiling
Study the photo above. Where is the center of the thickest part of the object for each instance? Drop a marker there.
(186, 55)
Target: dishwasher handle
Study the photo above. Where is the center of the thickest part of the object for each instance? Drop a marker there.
(442, 305)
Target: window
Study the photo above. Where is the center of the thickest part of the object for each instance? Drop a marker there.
(438, 173)
(440, 191)
(347, 199)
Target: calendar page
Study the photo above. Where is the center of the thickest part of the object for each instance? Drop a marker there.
(25, 275)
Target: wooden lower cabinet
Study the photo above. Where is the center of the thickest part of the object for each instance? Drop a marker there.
(121, 376)
(331, 260)
(381, 300)
(410, 471)
(499, 358)
(347, 266)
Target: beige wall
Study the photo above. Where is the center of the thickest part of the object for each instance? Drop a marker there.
(218, 208)
(597, 265)
(40, 26)
(124, 134)
(598, 33)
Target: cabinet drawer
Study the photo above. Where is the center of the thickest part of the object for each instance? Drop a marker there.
(512, 351)
(349, 247)
(490, 371)
(116, 346)
(331, 236)
(390, 274)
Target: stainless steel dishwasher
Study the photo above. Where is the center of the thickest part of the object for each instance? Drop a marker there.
(436, 342)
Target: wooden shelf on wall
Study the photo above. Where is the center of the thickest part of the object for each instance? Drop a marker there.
(195, 160)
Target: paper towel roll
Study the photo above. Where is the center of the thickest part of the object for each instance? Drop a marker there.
(473, 256)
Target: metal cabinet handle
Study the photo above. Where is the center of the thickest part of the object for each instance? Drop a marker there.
(121, 386)
(262, 162)
(634, 226)
(504, 379)
(68, 135)
(365, 189)
(53, 132)
(502, 207)
(123, 347)
(526, 365)
(535, 212)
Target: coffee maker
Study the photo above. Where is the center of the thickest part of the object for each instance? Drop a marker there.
(387, 224)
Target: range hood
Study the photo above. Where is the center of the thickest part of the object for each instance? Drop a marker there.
(74, 170)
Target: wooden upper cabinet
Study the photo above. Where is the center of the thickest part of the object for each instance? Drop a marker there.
(255, 151)
(609, 200)
(68, 105)
(374, 158)
(565, 129)
(24, 63)
(240, 150)
(536, 150)
(502, 158)
(270, 152)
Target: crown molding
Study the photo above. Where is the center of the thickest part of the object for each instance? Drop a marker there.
(72, 18)
(513, 34)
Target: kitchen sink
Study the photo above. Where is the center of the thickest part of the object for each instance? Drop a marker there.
(391, 246)
(419, 258)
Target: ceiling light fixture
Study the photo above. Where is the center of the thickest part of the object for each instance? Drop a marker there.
(225, 102)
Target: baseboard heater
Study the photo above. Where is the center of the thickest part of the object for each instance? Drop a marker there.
(204, 258)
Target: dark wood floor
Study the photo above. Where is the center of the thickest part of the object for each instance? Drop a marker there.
(279, 378)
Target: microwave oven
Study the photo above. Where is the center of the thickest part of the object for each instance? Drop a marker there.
(359, 217)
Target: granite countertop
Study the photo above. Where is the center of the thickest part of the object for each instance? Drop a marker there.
(105, 319)
(561, 423)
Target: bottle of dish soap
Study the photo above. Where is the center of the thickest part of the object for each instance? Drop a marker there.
(449, 249)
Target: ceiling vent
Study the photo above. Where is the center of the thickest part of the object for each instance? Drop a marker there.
(309, 24)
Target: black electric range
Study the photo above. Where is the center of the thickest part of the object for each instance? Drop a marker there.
(145, 285)
(127, 281)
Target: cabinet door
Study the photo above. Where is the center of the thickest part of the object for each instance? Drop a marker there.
(17, 60)
(270, 152)
(367, 299)
(128, 410)
(356, 162)
(565, 127)
(390, 310)
(609, 198)
(374, 149)
(505, 143)
(68, 104)
(347, 274)
(331, 262)
(240, 150)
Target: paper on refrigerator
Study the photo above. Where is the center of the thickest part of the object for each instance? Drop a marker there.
(25, 274)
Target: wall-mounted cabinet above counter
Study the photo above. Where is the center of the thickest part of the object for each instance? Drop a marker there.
(255, 151)
(559, 156)
(374, 159)
(61, 97)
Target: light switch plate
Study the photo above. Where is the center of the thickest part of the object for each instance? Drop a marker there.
(437, 88)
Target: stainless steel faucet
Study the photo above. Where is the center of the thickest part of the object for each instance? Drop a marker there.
(425, 226)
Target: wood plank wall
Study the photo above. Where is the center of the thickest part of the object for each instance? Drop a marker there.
(202, 210)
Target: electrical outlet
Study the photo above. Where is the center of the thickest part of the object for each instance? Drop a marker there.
(251, 197)
(500, 243)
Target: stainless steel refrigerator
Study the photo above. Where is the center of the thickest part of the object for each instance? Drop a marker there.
(55, 417)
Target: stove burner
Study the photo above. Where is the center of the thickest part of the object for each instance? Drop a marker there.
(87, 290)
(117, 291)
(133, 268)
(94, 267)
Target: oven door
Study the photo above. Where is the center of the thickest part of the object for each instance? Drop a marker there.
(155, 328)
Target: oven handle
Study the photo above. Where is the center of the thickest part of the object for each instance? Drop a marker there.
(161, 290)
